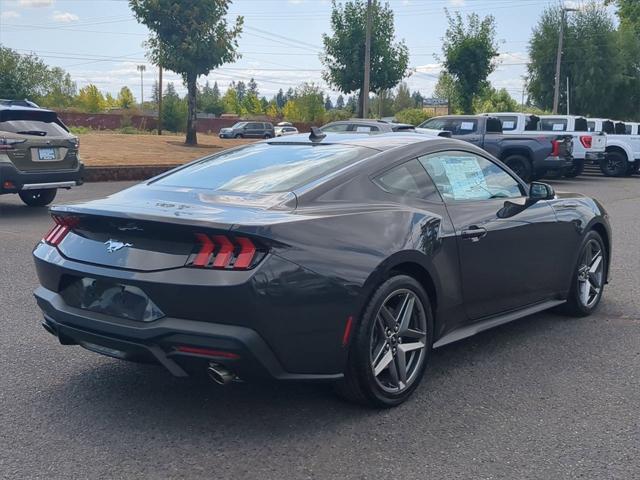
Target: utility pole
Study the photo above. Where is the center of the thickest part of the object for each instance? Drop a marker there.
(556, 91)
(367, 63)
(568, 95)
(160, 99)
(141, 69)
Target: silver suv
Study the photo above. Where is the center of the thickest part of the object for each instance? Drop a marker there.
(248, 130)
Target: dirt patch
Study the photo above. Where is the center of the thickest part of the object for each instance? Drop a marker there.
(104, 149)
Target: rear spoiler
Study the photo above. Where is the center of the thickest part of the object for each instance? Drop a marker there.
(48, 116)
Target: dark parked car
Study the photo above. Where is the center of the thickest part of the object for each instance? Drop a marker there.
(531, 156)
(38, 155)
(340, 258)
(359, 125)
(249, 130)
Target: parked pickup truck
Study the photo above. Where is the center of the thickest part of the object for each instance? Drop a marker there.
(623, 149)
(38, 155)
(530, 155)
(587, 146)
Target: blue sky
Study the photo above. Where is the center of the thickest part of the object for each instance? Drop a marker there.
(99, 41)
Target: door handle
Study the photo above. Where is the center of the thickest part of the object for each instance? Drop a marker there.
(473, 233)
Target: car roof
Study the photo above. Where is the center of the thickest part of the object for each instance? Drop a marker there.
(22, 108)
(378, 141)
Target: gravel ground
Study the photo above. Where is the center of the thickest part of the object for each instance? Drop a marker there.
(546, 397)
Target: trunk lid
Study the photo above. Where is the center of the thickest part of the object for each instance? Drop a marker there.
(153, 228)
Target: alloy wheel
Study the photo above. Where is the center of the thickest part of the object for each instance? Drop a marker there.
(590, 274)
(398, 341)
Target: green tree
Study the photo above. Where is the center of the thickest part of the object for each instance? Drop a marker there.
(445, 89)
(174, 110)
(469, 50)
(593, 62)
(340, 102)
(126, 99)
(629, 13)
(190, 37)
(344, 51)
(251, 104)
(382, 104)
(61, 89)
(403, 98)
(230, 101)
(493, 100)
(210, 100)
(90, 99)
(307, 105)
(26, 76)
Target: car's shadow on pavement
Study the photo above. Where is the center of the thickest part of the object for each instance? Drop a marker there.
(126, 398)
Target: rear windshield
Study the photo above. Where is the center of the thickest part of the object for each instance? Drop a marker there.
(33, 127)
(265, 168)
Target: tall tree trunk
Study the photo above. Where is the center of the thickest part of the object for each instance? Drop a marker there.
(192, 119)
(360, 99)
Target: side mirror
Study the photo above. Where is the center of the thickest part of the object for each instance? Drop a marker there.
(541, 191)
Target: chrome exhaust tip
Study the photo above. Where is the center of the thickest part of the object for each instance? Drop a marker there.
(220, 374)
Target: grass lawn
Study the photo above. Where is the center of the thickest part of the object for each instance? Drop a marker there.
(113, 149)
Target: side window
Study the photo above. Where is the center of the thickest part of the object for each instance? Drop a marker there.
(364, 128)
(407, 179)
(509, 123)
(553, 125)
(463, 176)
(339, 127)
(591, 126)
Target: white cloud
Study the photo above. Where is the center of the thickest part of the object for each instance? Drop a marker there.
(65, 17)
(9, 14)
(35, 3)
(457, 3)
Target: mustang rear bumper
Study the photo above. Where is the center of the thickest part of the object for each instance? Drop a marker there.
(240, 349)
(13, 180)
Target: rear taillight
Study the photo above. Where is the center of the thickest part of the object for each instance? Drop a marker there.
(10, 143)
(62, 227)
(555, 150)
(222, 252)
(586, 141)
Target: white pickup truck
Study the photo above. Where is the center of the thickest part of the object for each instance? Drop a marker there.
(587, 147)
(623, 149)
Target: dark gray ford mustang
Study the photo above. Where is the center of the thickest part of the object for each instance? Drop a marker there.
(341, 258)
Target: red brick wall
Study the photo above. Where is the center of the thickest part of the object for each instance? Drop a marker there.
(113, 121)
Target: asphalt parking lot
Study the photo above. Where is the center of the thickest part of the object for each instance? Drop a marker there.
(546, 397)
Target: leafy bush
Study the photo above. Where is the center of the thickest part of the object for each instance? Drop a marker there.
(337, 114)
(414, 116)
(79, 130)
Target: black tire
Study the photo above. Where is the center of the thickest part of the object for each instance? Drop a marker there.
(614, 164)
(38, 198)
(633, 168)
(575, 170)
(267, 135)
(576, 305)
(238, 135)
(360, 383)
(520, 165)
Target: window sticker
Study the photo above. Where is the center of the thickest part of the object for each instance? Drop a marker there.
(467, 126)
(558, 127)
(361, 129)
(508, 125)
(466, 178)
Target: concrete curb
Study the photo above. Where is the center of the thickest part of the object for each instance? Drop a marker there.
(124, 173)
